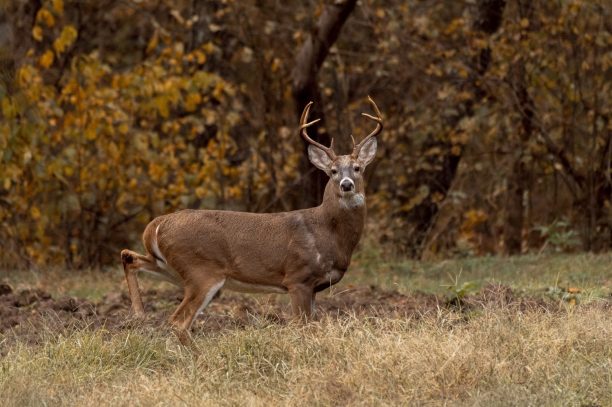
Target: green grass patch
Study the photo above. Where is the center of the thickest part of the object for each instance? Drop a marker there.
(531, 274)
(534, 275)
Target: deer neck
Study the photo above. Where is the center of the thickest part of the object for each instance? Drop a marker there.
(344, 217)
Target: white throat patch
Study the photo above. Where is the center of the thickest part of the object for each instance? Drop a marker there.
(352, 201)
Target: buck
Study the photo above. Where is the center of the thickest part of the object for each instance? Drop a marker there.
(298, 253)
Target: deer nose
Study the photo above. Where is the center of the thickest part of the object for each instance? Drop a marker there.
(347, 185)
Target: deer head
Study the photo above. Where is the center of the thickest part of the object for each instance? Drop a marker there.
(345, 171)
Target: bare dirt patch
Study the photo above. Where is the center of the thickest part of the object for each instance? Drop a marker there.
(26, 311)
(31, 306)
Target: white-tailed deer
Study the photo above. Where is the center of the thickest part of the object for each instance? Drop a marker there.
(299, 252)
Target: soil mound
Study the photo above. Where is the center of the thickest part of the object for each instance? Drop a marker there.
(31, 306)
(28, 311)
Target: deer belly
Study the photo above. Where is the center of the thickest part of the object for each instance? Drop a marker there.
(240, 286)
(330, 278)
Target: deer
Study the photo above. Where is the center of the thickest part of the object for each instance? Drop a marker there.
(298, 253)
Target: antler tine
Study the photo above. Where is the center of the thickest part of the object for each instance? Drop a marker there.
(304, 124)
(377, 130)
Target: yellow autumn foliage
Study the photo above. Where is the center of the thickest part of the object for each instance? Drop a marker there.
(58, 6)
(65, 39)
(46, 17)
(108, 150)
(37, 33)
(46, 59)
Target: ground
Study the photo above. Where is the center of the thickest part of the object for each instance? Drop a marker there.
(531, 330)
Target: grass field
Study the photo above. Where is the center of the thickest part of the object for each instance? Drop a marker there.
(547, 344)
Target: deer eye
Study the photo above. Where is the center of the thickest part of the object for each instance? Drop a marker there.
(334, 171)
(356, 168)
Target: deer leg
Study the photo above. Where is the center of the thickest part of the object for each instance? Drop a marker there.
(132, 262)
(302, 301)
(195, 301)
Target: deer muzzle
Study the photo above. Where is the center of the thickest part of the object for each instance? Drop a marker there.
(347, 185)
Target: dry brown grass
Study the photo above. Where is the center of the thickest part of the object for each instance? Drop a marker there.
(499, 357)
(497, 352)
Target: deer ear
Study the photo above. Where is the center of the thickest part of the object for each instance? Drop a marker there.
(367, 152)
(319, 158)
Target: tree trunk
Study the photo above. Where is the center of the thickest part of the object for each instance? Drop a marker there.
(518, 181)
(304, 82)
(422, 216)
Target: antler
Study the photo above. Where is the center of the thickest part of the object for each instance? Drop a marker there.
(377, 130)
(304, 125)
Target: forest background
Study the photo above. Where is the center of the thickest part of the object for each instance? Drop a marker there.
(497, 119)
